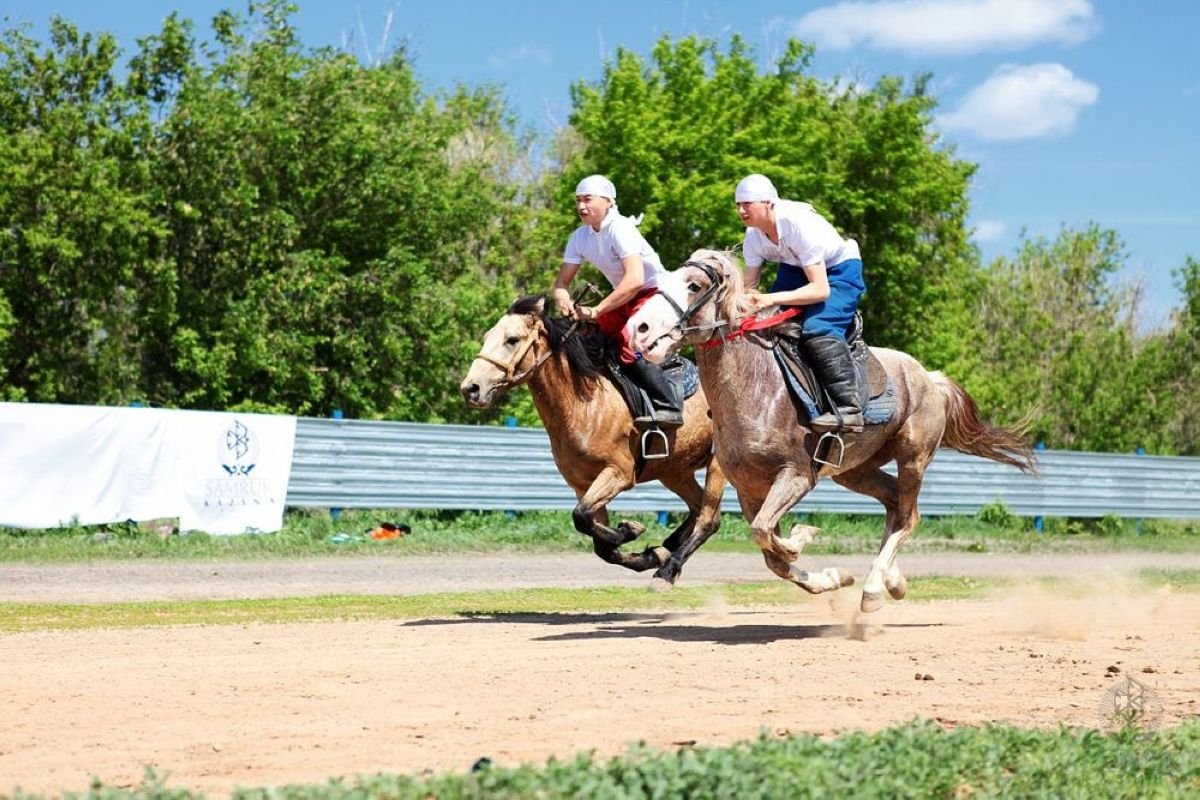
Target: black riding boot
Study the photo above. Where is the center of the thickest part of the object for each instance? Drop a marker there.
(830, 359)
(665, 395)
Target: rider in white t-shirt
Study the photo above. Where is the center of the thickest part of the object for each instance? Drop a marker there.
(613, 243)
(819, 270)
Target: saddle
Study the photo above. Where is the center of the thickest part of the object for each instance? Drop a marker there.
(874, 382)
(678, 370)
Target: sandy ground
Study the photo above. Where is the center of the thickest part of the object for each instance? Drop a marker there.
(258, 705)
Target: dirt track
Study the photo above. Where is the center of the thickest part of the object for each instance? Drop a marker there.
(105, 582)
(217, 707)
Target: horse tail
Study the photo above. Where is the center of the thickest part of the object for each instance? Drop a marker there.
(967, 433)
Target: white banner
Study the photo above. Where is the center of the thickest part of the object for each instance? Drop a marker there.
(217, 472)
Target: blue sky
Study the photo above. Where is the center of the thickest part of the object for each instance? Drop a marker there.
(1077, 111)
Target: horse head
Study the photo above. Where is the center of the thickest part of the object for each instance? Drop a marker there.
(512, 350)
(521, 342)
(694, 304)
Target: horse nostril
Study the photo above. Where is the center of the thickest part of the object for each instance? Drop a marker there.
(643, 327)
(470, 391)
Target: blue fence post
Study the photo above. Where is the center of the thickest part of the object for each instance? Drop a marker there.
(662, 518)
(1039, 524)
(1141, 451)
(335, 513)
(510, 422)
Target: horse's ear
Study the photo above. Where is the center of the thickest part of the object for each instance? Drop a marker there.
(541, 305)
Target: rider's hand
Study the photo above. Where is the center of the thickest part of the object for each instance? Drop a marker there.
(584, 313)
(758, 301)
(562, 299)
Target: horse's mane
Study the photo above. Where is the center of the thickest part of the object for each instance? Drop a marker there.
(587, 349)
(734, 304)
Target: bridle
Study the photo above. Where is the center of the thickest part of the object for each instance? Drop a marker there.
(716, 289)
(510, 376)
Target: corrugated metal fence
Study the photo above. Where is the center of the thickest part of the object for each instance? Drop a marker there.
(357, 464)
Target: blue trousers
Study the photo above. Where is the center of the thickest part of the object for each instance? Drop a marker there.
(833, 316)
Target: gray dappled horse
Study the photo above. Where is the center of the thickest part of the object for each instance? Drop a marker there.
(765, 447)
(592, 437)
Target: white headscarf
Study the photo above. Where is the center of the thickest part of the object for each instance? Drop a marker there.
(600, 186)
(597, 185)
(755, 187)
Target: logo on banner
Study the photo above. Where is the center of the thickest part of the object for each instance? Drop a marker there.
(237, 453)
(239, 450)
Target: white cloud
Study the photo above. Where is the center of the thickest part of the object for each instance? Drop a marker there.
(948, 26)
(988, 230)
(1018, 102)
(526, 52)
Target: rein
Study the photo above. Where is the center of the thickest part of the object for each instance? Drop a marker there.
(751, 324)
(717, 284)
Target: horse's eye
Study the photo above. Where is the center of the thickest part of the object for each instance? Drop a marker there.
(512, 341)
(693, 287)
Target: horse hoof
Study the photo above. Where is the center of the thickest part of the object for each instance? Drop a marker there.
(631, 529)
(800, 536)
(871, 602)
(898, 589)
(660, 585)
(840, 579)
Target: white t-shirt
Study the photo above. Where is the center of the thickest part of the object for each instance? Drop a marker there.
(805, 237)
(617, 239)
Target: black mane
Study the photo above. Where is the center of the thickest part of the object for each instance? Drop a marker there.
(588, 350)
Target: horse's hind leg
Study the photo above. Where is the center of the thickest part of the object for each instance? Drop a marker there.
(704, 517)
(878, 484)
(884, 573)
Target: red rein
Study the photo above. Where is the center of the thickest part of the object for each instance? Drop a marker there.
(752, 324)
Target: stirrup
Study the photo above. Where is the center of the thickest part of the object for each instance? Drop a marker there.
(830, 439)
(651, 436)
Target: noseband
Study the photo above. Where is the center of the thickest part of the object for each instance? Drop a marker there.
(716, 288)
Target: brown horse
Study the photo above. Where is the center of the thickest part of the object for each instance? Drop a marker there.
(764, 446)
(592, 436)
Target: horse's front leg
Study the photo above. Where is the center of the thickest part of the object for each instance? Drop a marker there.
(789, 487)
(638, 562)
(607, 485)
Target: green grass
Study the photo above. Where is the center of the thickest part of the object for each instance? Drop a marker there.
(26, 617)
(917, 760)
(313, 533)
(23, 617)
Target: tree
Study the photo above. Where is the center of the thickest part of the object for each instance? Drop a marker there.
(1059, 333)
(1183, 355)
(247, 224)
(77, 254)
